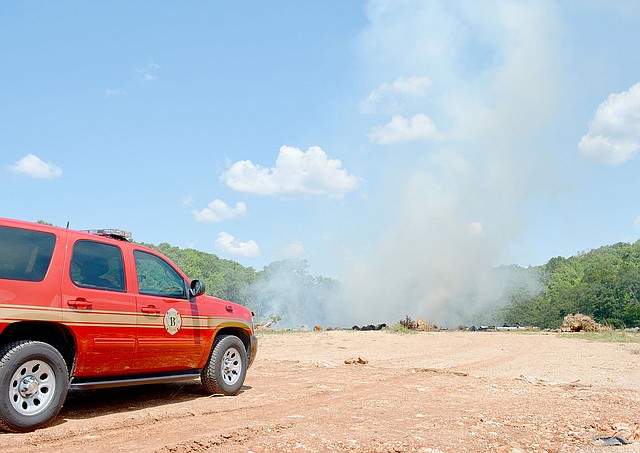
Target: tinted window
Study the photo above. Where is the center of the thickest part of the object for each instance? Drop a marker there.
(156, 277)
(25, 254)
(97, 265)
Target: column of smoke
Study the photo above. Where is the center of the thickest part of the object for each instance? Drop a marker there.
(462, 196)
(433, 264)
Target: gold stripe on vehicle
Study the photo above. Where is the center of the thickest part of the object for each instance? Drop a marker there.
(111, 318)
(13, 313)
(92, 324)
(99, 317)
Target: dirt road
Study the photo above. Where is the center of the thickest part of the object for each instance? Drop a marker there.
(429, 391)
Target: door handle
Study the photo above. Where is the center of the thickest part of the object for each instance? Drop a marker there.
(150, 310)
(80, 304)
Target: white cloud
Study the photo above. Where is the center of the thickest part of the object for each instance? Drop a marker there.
(187, 200)
(614, 132)
(34, 167)
(292, 250)
(636, 222)
(217, 211)
(296, 173)
(390, 96)
(232, 246)
(150, 72)
(111, 92)
(401, 129)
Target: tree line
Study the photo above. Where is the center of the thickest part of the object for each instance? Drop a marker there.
(282, 291)
(603, 283)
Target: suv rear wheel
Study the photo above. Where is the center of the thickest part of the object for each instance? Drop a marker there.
(33, 384)
(227, 366)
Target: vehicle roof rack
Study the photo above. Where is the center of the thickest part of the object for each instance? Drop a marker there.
(112, 233)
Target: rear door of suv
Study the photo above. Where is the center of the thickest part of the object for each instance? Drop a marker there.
(98, 306)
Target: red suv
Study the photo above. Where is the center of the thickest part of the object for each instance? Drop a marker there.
(85, 310)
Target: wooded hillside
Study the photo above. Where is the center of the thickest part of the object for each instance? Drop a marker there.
(603, 283)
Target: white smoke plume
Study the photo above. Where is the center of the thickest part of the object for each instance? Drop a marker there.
(494, 85)
(286, 292)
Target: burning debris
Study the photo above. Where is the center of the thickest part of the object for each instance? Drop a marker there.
(421, 325)
(418, 325)
(408, 323)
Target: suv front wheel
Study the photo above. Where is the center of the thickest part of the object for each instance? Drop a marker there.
(33, 384)
(226, 368)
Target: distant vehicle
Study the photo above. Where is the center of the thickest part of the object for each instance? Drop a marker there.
(86, 310)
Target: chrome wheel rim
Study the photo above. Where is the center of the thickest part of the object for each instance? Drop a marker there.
(32, 387)
(231, 366)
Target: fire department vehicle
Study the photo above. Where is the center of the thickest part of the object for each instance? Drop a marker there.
(86, 310)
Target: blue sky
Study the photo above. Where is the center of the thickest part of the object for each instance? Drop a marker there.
(380, 140)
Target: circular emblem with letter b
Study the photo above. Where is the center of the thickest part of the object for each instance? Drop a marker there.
(172, 321)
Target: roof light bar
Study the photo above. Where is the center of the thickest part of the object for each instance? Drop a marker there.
(113, 233)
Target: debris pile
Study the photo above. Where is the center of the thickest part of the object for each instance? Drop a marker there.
(408, 323)
(479, 328)
(265, 326)
(581, 323)
(418, 325)
(318, 328)
(616, 435)
(370, 327)
(356, 361)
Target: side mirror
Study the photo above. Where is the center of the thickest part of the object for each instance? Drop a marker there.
(196, 288)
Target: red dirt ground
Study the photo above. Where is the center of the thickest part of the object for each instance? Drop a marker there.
(424, 392)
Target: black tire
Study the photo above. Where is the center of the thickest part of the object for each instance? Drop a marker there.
(226, 368)
(34, 381)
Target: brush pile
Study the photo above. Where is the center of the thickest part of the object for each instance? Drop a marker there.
(581, 323)
(418, 325)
